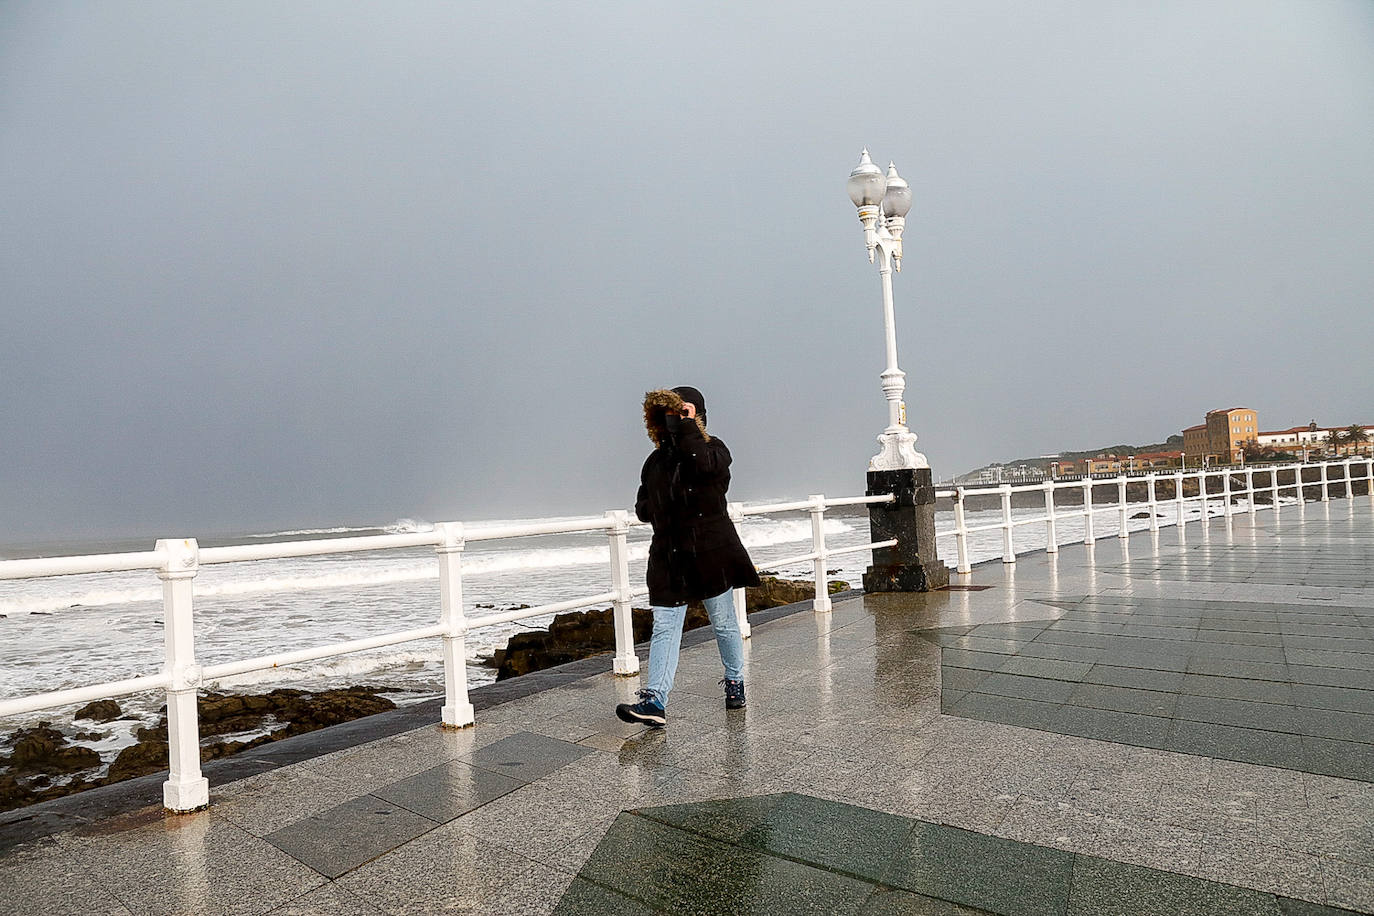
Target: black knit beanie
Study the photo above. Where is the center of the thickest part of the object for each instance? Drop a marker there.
(692, 396)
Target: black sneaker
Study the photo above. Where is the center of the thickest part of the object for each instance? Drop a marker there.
(648, 711)
(734, 694)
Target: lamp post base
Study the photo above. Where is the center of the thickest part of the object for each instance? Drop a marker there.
(911, 564)
(898, 450)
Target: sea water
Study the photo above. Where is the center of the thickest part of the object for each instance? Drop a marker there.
(70, 631)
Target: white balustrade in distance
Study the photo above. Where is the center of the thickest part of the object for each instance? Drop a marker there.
(961, 494)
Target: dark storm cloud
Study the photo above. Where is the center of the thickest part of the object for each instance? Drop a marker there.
(268, 264)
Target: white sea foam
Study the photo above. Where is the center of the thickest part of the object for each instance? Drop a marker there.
(407, 526)
(345, 666)
(299, 531)
(788, 531)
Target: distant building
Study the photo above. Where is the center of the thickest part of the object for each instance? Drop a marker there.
(1195, 443)
(1148, 460)
(1302, 439)
(1104, 464)
(1227, 432)
(1221, 437)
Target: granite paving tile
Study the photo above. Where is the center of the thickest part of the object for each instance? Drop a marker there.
(1051, 823)
(447, 791)
(680, 872)
(905, 903)
(1236, 688)
(1346, 759)
(1145, 842)
(973, 869)
(1342, 699)
(43, 880)
(1123, 699)
(1048, 668)
(1333, 677)
(583, 898)
(338, 840)
(329, 900)
(1348, 884)
(1113, 725)
(1264, 867)
(1242, 713)
(1029, 688)
(547, 820)
(1143, 678)
(458, 871)
(190, 864)
(525, 756)
(1267, 748)
(1105, 888)
(1336, 725)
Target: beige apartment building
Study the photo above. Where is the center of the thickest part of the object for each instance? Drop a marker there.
(1221, 437)
(1228, 431)
(1195, 444)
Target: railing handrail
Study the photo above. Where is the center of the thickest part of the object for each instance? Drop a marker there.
(1177, 476)
(177, 561)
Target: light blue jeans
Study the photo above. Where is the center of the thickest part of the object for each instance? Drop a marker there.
(667, 640)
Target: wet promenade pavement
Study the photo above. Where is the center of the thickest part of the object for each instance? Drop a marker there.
(1138, 727)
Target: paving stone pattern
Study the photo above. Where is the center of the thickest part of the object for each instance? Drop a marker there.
(792, 853)
(1277, 685)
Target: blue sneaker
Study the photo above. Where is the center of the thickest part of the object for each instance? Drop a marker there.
(648, 710)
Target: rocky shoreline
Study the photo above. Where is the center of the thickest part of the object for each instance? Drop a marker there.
(45, 762)
(582, 634)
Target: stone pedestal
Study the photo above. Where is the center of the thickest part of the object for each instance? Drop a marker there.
(911, 564)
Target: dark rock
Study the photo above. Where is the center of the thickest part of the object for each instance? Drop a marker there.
(99, 711)
(44, 749)
(147, 756)
(582, 634)
(13, 794)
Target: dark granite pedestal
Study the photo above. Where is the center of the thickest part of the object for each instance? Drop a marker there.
(910, 565)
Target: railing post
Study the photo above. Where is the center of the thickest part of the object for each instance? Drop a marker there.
(736, 511)
(1349, 493)
(1008, 547)
(626, 662)
(1051, 544)
(1154, 502)
(1122, 514)
(1178, 506)
(1226, 493)
(817, 511)
(457, 710)
(961, 531)
(1250, 491)
(185, 789)
(1326, 494)
(1202, 493)
(1274, 488)
(1088, 534)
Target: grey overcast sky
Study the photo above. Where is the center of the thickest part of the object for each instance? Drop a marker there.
(280, 264)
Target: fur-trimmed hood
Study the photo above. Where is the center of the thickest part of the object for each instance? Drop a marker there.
(656, 404)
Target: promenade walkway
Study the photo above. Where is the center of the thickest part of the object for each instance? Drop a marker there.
(1139, 727)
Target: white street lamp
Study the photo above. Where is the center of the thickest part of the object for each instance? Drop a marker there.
(883, 204)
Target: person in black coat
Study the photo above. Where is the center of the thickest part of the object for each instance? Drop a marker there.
(696, 554)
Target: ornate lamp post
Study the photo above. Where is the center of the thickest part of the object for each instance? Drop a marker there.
(883, 204)
(911, 565)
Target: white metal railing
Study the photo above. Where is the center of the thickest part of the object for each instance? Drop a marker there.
(1299, 484)
(177, 561)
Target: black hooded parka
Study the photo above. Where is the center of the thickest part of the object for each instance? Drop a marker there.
(696, 552)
